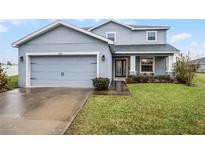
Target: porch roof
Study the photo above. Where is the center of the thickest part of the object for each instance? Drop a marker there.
(146, 48)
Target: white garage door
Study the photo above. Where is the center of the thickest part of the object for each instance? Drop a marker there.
(63, 71)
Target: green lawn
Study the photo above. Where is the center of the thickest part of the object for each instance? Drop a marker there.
(13, 82)
(152, 109)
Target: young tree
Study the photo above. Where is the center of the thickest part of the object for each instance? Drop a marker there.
(184, 70)
(3, 79)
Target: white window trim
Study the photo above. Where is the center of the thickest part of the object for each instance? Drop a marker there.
(29, 55)
(153, 66)
(151, 40)
(111, 33)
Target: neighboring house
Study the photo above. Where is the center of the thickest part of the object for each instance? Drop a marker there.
(201, 64)
(63, 55)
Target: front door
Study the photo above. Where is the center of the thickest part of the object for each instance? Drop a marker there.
(120, 68)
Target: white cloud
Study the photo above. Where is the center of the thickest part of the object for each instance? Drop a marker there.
(52, 20)
(193, 43)
(15, 22)
(180, 37)
(127, 21)
(96, 20)
(2, 28)
(9, 55)
(81, 20)
(196, 49)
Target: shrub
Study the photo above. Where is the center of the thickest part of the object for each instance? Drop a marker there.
(184, 70)
(149, 79)
(138, 79)
(101, 83)
(143, 78)
(162, 78)
(131, 79)
(3, 80)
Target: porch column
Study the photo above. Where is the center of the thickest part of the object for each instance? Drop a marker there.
(133, 65)
(170, 62)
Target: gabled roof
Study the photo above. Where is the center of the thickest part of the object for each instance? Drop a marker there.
(132, 27)
(86, 28)
(149, 27)
(115, 21)
(146, 48)
(54, 25)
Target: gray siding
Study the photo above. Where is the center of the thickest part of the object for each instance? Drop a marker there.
(201, 63)
(201, 68)
(62, 39)
(160, 65)
(123, 34)
(139, 37)
(127, 36)
(137, 65)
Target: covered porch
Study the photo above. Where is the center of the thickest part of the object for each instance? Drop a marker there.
(151, 59)
(150, 64)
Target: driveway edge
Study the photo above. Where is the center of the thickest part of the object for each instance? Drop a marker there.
(75, 115)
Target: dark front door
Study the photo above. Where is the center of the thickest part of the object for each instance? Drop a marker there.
(120, 68)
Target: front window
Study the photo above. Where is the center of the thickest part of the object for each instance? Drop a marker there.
(151, 36)
(111, 36)
(146, 65)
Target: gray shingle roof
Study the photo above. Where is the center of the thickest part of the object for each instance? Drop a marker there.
(86, 28)
(146, 47)
(139, 26)
(152, 27)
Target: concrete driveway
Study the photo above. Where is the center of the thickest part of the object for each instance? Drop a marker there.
(40, 110)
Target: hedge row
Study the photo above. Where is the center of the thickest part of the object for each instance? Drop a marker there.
(149, 79)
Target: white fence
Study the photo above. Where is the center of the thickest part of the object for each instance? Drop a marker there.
(11, 70)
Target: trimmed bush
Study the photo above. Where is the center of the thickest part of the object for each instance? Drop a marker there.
(131, 79)
(162, 78)
(101, 83)
(149, 79)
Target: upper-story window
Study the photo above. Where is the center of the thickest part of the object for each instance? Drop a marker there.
(151, 35)
(111, 36)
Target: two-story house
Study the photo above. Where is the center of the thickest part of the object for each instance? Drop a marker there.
(63, 55)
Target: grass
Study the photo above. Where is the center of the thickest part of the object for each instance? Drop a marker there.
(152, 109)
(13, 82)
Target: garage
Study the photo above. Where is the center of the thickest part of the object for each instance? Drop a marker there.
(63, 55)
(63, 71)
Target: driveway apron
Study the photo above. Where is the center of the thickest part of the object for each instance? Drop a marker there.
(40, 110)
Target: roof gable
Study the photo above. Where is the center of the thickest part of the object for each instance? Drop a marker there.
(54, 25)
(114, 21)
(132, 27)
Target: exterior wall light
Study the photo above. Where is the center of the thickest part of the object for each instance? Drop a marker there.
(21, 59)
(103, 58)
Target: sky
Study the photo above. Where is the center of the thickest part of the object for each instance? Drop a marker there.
(186, 35)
